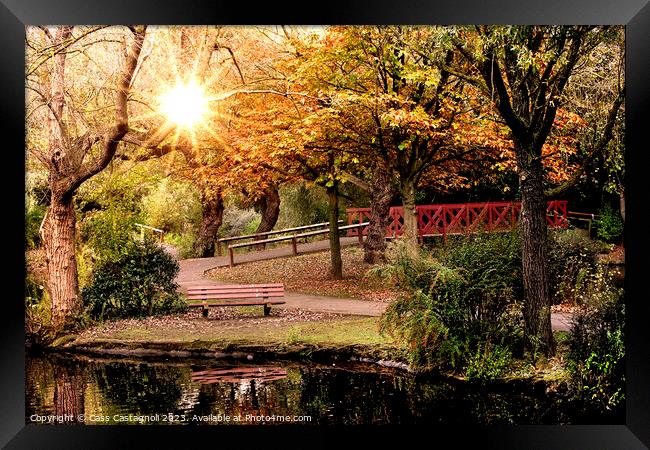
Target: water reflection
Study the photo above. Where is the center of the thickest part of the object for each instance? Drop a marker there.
(239, 374)
(197, 392)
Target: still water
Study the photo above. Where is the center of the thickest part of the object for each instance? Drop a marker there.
(119, 391)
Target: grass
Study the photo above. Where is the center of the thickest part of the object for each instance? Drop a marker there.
(309, 274)
(339, 332)
(344, 332)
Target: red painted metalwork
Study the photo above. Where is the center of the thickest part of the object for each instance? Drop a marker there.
(460, 218)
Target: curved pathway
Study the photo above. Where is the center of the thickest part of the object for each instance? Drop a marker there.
(192, 274)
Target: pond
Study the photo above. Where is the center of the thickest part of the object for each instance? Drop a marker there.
(93, 390)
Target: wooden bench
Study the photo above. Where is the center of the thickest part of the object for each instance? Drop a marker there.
(244, 295)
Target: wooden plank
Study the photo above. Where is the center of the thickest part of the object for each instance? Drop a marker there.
(343, 228)
(301, 235)
(286, 230)
(201, 304)
(233, 296)
(235, 286)
(263, 241)
(241, 292)
(237, 289)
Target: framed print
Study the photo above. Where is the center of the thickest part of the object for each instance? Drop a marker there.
(384, 219)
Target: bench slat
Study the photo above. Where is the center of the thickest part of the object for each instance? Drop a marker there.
(232, 291)
(234, 296)
(200, 305)
(235, 286)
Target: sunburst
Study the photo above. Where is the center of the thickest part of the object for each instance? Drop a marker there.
(185, 104)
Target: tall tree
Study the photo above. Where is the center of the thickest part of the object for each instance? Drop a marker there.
(393, 101)
(70, 157)
(524, 70)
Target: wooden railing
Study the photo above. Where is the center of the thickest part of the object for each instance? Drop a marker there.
(268, 233)
(293, 238)
(155, 230)
(583, 217)
(460, 218)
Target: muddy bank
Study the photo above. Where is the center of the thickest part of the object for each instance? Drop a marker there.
(381, 356)
(376, 354)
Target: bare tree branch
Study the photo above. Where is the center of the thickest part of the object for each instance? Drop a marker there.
(597, 149)
(121, 126)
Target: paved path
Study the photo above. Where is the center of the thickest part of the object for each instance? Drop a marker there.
(192, 269)
(192, 273)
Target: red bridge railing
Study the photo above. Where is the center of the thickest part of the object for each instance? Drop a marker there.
(459, 218)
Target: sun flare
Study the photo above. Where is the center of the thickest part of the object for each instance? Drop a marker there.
(185, 104)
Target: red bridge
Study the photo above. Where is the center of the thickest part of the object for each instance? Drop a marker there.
(459, 218)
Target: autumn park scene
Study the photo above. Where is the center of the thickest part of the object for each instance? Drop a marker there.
(321, 225)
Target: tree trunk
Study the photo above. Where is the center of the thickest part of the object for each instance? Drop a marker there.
(269, 206)
(212, 217)
(59, 242)
(538, 336)
(69, 167)
(336, 269)
(621, 200)
(410, 230)
(381, 194)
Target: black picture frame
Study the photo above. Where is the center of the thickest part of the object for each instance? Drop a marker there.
(16, 14)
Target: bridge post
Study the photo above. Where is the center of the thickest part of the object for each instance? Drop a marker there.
(231, 257)
(218, 248)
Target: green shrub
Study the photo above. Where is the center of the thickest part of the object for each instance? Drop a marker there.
(460, 307)
(596, 358)
(492, 263)
(488, 362)
(172, 206)
(33, 219)
(184, 243)
(108, 233)
(572, 260)
(139, 282)
(39, 329)
(609, 225)
(302, 204)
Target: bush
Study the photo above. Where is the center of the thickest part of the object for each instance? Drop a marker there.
(108, 233)
(172, 206)
(38, 314)
(184, 242)
(572, 260)
(460, 307)
(33, 219)
(139, 282)
(302, 204)
(609, 225)
(493, 264)
(596, 346)
(237, 221)
(488, 362)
